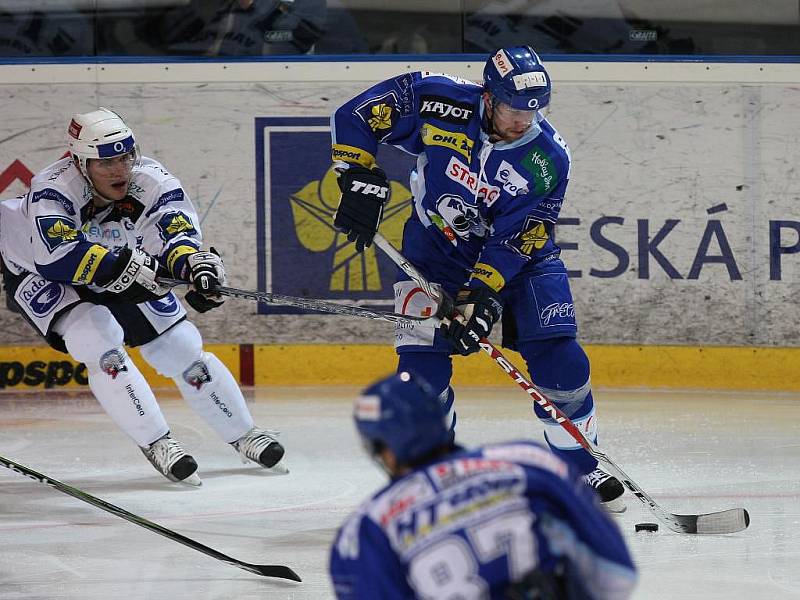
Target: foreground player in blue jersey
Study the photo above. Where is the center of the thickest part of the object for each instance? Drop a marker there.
(503, 521)
(488, 186)
(80, 256)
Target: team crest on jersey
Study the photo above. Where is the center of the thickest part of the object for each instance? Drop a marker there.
(55, 196)
(456, 217)
(166, 307)
(531, 239)
(171, 196)
(539, 164)
(41, 295)
(174, 224)
(55, 230)
(380, 114)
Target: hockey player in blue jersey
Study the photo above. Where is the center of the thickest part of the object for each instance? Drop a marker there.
(508, 520)
(81, 252)
(488, 186)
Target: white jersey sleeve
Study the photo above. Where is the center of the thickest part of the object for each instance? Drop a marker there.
(168, 226)
(46, 235)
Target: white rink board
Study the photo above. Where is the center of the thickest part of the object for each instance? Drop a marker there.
(715, 162)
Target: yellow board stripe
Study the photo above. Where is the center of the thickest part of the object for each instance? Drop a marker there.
(87, 268)
(671, 367)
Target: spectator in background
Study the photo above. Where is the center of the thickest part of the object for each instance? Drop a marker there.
(240, 27)
(558, 26)
(41, 33)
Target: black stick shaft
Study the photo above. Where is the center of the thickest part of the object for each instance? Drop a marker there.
(314, 304)
(265, 570)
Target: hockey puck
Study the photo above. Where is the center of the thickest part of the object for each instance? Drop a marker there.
(646, 527)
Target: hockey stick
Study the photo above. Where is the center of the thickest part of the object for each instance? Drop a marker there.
(265, 570)
(726, 521)
(314, 304)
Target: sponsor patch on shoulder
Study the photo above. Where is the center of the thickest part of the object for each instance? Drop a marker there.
(55, 230)
(175, 195)
(174, 224)
(380, 114)
(55, 196)
(532, 238)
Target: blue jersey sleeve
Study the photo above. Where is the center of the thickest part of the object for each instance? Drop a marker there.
(363, 565)
(383, 114)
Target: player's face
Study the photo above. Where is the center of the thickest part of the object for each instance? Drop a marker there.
(510, 124)
(111, 176)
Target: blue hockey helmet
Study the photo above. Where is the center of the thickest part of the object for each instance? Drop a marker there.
(517, 77)
(403, 413)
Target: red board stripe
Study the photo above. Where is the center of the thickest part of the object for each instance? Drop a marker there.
(246, 364)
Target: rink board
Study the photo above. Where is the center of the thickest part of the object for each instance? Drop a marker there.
(722, 368)
(679, 227)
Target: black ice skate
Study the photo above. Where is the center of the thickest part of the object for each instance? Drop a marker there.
(261, 447)
(171, 460)
(609, 489)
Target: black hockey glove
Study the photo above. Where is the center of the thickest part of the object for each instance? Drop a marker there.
(207, 273)
(133, 277)
(364, 192)
(481, 309)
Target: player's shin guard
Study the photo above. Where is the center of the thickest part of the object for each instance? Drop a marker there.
(92, 336)
(212, 392)
(578, 405)
(560, 369)
(204, 382)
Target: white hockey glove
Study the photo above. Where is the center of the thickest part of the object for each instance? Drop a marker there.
(207, 273)
(133, 278)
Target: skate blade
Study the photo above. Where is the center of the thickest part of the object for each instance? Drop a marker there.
(192, 480)
(615, 506)
(278, 469)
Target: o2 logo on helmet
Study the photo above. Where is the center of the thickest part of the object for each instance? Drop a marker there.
(112, 149)
(165, 307)
(533, 103)
(41, 295)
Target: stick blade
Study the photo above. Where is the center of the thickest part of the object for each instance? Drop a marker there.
(279, 571)
(717, 523)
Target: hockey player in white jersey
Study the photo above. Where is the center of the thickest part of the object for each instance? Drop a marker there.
(82, 252)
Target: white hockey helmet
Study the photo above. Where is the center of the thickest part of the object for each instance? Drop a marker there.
(99, 134)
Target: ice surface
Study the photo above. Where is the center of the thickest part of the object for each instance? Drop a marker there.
(692, 452)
